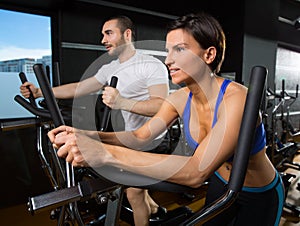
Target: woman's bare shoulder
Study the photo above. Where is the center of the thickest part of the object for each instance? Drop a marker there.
(237, 90)
(180, 93)
(178, 98)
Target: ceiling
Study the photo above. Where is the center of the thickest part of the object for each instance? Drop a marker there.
(289, 12)
(174, 9)
(289, 9)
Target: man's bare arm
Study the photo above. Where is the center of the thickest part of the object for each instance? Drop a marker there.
(149, 107)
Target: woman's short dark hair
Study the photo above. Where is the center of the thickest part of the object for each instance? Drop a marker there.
(207, 31)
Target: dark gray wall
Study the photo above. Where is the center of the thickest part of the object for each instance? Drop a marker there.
(81, 23)
(260, 37)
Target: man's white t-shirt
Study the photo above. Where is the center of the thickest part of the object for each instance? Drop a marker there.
(134, 77)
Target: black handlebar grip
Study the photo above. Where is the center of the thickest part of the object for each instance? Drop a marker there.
(297, 87)
(23, 80)
(48, 95)
(55, 75)
(22, 77)
(283, 88)
(247, 129)
(48, 72)
(104, 121)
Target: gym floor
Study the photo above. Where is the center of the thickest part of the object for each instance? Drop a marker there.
(19, 216)
(293, 197)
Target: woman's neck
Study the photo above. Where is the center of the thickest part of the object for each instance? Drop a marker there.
(206, 89)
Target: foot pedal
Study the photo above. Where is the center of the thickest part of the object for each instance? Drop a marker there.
(287, 178)
(295, 209)
(172, 217)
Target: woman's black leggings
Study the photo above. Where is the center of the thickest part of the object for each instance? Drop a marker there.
(253, 206)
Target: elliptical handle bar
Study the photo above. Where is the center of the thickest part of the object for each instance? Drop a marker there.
(48, 94)
(296, 95)
(32, 109)
(23, 79)
(274, 93)
(283, 88)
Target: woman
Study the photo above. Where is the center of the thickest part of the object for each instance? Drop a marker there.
(211, 108)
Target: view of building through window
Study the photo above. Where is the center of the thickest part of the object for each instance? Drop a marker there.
(25, 41)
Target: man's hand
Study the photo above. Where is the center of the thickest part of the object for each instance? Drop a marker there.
(25, 90)
(112, 98)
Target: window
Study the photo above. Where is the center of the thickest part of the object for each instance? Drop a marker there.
(25, 40)
(287, 69)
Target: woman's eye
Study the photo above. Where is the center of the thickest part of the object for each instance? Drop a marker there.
(180, 49)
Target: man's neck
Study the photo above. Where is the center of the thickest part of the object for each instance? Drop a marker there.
(127, 54)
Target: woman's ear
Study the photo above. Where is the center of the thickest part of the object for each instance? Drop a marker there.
(210, 54)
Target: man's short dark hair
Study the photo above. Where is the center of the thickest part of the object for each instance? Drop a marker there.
(124, 23)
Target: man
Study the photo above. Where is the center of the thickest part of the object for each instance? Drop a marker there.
(142, 87)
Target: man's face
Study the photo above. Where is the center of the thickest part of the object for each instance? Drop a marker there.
(112, 39)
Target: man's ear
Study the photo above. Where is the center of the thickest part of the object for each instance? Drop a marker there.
(128, 35)
(210, 54)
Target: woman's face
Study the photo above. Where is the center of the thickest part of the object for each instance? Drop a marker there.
(184, 58)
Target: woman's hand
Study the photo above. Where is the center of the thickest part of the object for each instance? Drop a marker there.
(59, 130)
(78, 148)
